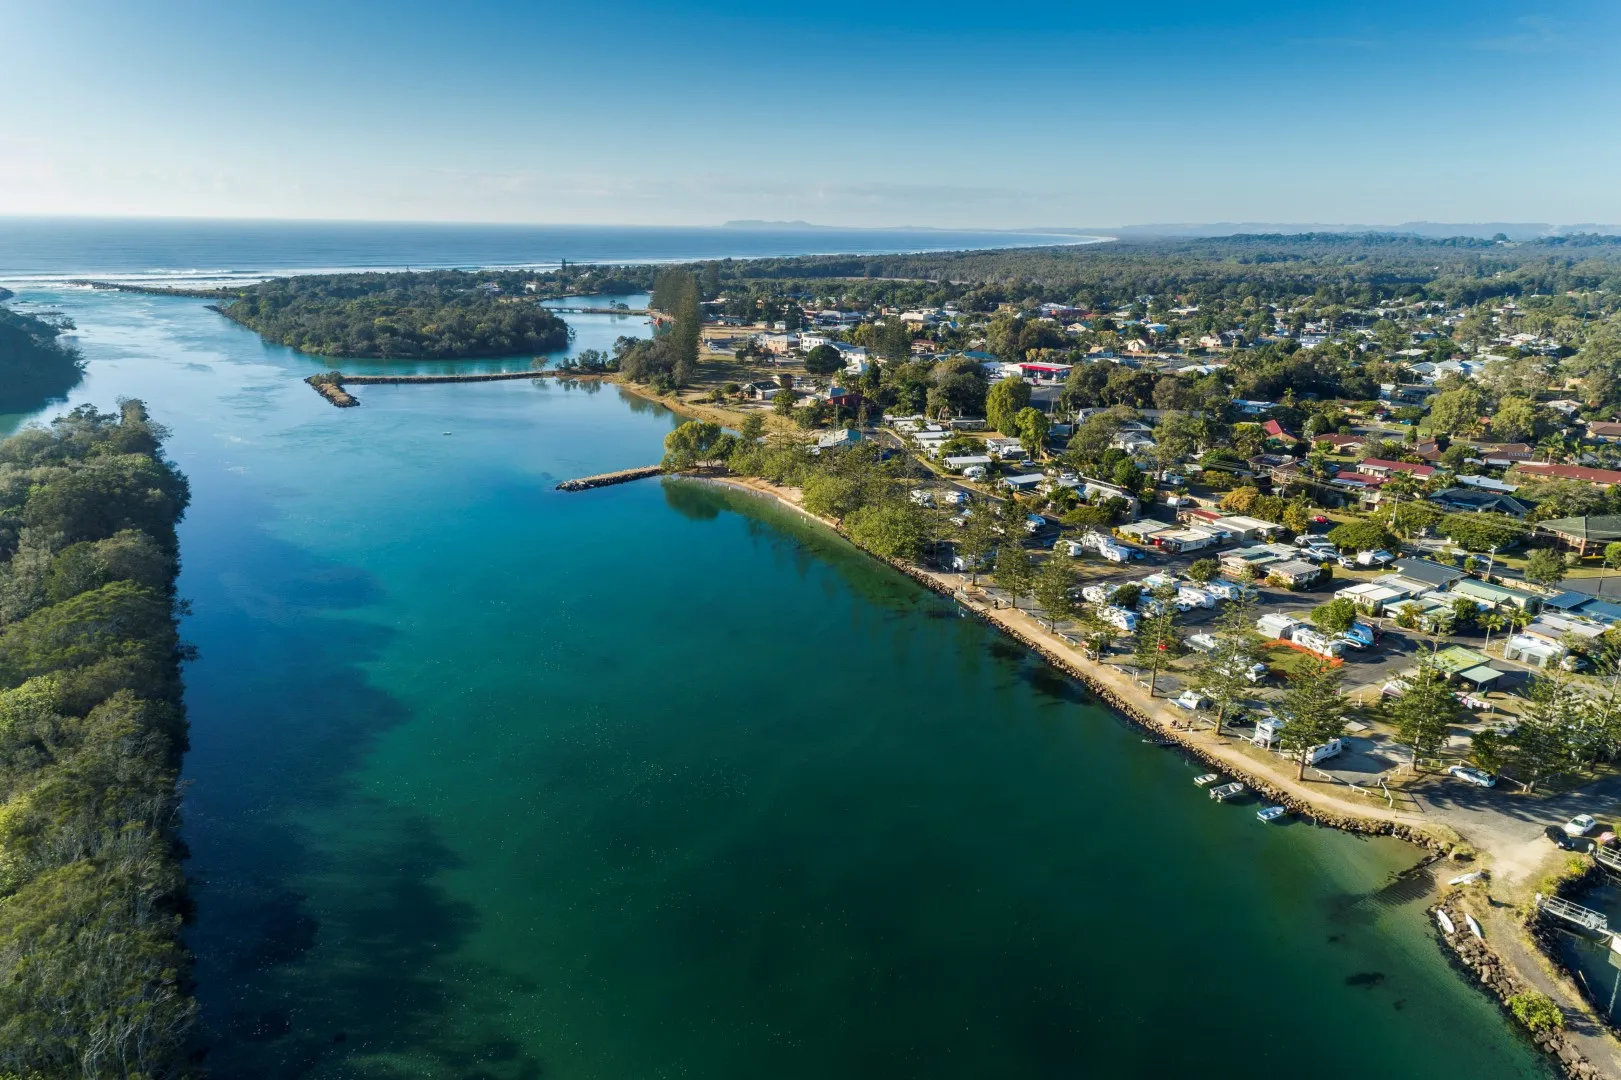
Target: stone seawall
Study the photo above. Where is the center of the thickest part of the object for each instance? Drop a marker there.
(623, 476)
(333, 392)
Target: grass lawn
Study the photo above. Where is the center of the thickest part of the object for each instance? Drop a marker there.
(1286, 663)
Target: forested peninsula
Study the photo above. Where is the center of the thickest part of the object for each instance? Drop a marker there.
(430, 315)
(35, 365)
(94, 979)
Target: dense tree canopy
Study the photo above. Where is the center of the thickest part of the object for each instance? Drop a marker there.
(92, 970)
(443, 315)
(35, 365)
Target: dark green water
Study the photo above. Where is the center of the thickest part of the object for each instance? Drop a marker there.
(490, 781)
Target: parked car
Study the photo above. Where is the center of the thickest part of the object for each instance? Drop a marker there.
(1580, 825)
(1473, 776)
(1360, 636)
(1319, 519)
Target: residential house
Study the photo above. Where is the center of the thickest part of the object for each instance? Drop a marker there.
(1464, 498)
(1604, 431)
(1247, 528)
(1489, 483)
(837, 440)
(1427, 572)
(1531, 469)
(1183, 540)
(1405, 394)
(1004, 446)
(1547, 638)
(1501, 455)
(1275, 430)
(959, 462)
(1099, 490)
(1342, 444)
(1382, 594)
(1024, 482)
(778, 344)
(1498, 595)
(1581, 534)
(1132, 441)
(1261, 557)
(1294, 573)
(1383, 469)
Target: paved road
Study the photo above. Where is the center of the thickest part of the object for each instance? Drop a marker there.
(1513, 826)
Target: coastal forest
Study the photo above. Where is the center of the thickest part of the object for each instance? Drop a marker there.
(35, 364)
(432, 315)
(94, 979)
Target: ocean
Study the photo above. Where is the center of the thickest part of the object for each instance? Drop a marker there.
(199, 253)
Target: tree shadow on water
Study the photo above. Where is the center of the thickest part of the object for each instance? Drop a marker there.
(324, 943)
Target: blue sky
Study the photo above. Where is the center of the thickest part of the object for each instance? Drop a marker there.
(995, 115)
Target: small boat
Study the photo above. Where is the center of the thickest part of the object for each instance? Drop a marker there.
(1207, 778)
(1446, 922)
(1465, 879)
(444, 433)
(1271, 813)
(1226, 791)
(1160, 742)
(1474, 927)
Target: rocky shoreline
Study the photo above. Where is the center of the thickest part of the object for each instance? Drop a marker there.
(1499, 979)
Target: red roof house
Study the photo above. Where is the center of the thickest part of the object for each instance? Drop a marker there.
(1569, 472)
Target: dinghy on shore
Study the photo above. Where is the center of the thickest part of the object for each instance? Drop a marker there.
(1474, 927)
(1446, 922)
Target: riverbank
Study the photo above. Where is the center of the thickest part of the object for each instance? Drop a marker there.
(1588, 1051)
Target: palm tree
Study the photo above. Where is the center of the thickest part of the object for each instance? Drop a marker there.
(1491, 621)
(1553, 446)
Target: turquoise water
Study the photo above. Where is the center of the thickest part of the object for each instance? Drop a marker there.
(492, 781)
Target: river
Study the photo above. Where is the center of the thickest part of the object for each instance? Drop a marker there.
(654, 781)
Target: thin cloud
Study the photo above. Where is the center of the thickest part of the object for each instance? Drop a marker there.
(1535, 35)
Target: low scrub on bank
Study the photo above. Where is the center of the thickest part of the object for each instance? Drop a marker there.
(93, 975)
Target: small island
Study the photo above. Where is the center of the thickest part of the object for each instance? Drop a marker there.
(435, 315)
(36, 366)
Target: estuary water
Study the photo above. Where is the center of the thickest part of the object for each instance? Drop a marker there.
(488, 781)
